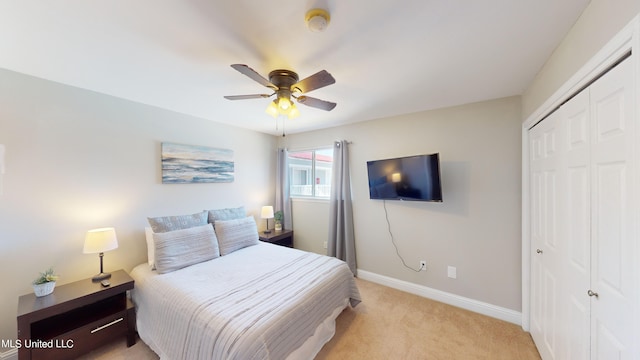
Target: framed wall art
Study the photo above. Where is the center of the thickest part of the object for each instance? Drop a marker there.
(183, 164)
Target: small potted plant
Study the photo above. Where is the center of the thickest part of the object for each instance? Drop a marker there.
(279, 216)
(45, 283)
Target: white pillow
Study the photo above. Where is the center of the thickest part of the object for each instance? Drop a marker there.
(181, 248)
(151, 247)
(236, 234)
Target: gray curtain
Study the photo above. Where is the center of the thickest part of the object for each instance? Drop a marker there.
(283, 200)
(341, 243)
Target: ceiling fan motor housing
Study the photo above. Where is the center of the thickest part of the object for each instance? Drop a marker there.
(283, 79)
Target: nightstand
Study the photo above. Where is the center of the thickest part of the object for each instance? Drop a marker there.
(76, 318)
(282, 237)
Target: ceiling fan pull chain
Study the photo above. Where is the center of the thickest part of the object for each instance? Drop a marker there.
(283, 122)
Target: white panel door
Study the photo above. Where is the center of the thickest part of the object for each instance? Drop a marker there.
(584, 231)
(614, 269)
(560, 163)
(577, 257)
(546, 165)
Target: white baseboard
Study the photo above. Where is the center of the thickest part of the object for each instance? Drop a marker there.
(9, 355)
(480, 307)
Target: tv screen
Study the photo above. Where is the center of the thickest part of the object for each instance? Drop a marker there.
(414, 178)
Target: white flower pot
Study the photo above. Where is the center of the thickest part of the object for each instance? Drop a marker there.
(278, 226)
(44, 289)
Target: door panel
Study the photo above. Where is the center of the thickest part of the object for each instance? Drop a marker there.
(578, 220)
(546, 205)
(613, 268)
(610, 214)
(578, 334)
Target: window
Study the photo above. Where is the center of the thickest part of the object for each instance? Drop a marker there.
(310, 173)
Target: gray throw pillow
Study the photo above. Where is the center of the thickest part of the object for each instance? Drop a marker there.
(226, 214)
(170, 223)
(236, 234)
(181, 248)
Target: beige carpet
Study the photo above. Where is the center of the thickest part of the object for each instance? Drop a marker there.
(390, 324)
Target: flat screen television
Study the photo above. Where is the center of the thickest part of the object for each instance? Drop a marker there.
(415, 178)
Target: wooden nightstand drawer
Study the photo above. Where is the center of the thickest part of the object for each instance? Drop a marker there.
(84, 339)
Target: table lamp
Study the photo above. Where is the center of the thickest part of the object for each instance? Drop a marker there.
(267, 213)
(99, 241)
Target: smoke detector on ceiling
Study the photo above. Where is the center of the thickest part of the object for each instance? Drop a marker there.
(317, 19)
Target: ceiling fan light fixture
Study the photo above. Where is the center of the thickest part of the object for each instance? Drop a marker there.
(293, 112)
(284, 104)
(272, 109)
(285, 83)
(317, 19)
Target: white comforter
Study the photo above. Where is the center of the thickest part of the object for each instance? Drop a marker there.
(260, 302)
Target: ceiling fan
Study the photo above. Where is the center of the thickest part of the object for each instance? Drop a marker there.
(285, 85)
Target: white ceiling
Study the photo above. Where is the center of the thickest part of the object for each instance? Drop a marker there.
(388, 57)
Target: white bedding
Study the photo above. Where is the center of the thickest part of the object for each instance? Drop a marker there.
(261, 302)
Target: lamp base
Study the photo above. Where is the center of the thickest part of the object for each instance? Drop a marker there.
(100, 277)
(267, 231)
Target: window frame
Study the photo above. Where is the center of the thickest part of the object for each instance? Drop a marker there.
(313, 169)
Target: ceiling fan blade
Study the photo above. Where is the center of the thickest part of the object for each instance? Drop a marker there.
(316, 81)
(316, 103)
(254, 75)
(244, 97)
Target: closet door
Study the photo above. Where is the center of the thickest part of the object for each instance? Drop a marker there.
(546, 247)
(584, 231)
(560, 164)
(576, 258)
(614, 269)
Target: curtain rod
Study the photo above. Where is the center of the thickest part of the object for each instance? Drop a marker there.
(295, 149)
(338, 142)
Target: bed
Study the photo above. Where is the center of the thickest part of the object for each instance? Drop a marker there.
(261, 301)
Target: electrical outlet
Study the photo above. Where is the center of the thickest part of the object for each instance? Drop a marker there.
(423, 265)
(325, 245)
(452, 272)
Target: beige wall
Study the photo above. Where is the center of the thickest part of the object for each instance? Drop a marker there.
(476, 228)
(599, 22)
(77, 160)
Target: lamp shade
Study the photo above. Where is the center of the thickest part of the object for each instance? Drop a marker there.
(293, 112)
(272, 109)
(100, 240)
(267, 212)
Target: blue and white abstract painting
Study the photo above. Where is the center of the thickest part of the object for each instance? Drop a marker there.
(183, 164)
